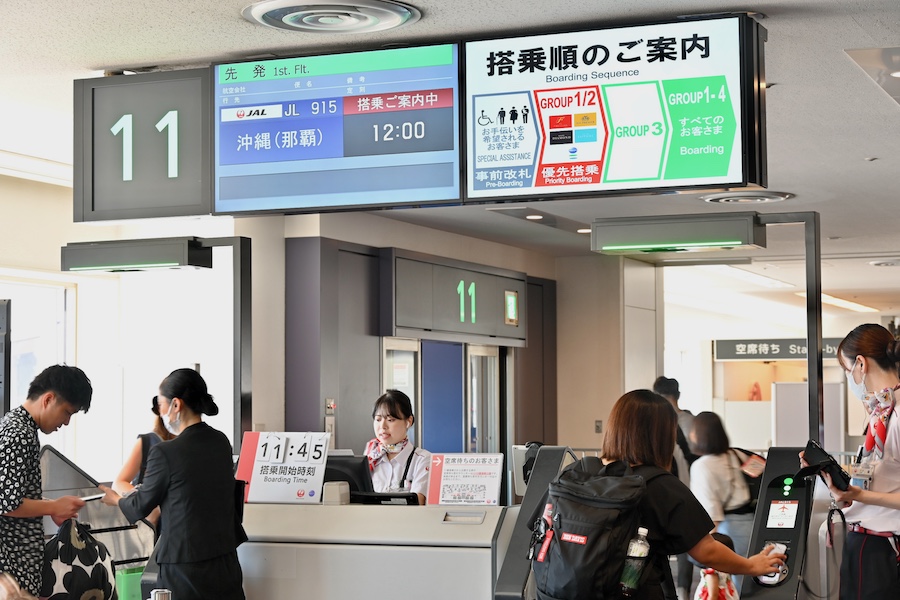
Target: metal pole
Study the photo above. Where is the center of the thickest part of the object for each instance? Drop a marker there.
(243, 330)
(813, 251)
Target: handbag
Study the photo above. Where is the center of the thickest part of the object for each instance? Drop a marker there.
(77, 565)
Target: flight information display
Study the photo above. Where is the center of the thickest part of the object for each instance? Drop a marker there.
(319, 133)
(667, 105)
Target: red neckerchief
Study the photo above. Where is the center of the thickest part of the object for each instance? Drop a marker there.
(876, 432)
(376, 450)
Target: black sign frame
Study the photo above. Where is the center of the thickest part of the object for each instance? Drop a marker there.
(100, 104)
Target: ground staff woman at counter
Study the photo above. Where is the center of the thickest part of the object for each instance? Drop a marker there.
(190, 479)
(870, 357)
(396, 464)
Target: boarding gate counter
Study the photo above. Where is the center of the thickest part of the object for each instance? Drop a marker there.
(341, 552)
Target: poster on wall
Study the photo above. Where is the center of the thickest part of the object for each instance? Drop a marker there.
(650, 106)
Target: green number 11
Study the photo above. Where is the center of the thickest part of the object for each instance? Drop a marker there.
(125, 127)
(461, 290)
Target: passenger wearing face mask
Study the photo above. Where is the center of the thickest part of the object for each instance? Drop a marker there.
(190, 479)
(870, 357)
(132, 473)
(395, 463)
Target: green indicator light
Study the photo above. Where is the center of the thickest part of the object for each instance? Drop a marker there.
(122, 267)
(512, 308)
(788, 480)
(674, 245)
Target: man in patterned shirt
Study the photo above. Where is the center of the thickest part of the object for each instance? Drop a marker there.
(53, 397)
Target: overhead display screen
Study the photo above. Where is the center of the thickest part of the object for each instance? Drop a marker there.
(668, 105)
(319, 133)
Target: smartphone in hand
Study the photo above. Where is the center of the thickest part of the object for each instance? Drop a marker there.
(820, 461)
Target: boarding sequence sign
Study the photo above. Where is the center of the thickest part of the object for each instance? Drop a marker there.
(651, 106)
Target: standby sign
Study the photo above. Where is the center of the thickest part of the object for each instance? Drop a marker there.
(771, 349)
(650, 106)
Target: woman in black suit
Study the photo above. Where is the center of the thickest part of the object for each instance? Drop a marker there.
(191, 479)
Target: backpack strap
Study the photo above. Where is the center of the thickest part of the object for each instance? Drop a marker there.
(145, 451)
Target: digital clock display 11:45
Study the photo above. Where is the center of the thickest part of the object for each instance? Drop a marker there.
(396, 132)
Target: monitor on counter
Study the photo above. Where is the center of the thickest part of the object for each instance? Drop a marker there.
(352, 469)
(362, 130)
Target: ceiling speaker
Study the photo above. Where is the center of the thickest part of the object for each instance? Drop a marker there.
(328, 16)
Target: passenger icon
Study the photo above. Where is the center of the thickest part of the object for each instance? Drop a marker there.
(501, 116)
(513, 115)
(483, 119)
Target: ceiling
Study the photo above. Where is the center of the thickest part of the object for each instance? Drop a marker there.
(833, 120)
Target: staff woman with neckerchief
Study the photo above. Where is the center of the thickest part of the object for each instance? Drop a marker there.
(395, 463)
(870, 357)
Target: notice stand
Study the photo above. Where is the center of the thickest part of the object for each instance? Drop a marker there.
(465, 479)
(283, 467)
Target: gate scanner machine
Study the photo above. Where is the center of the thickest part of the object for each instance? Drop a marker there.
(791, 511)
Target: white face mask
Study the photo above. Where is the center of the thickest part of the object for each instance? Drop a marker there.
(171, 425)
(859, 389)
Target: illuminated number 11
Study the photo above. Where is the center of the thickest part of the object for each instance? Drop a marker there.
(170, 121)
(125, 125)
(461, 290)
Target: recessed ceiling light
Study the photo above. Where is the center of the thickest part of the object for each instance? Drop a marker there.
(895, 74)
(884, 263)
(331, 16)
(583, 230)
(534, 217)
(748, 196)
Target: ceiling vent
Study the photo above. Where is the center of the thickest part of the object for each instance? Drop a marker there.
(330, 16)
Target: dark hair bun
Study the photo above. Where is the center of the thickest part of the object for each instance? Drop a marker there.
(893, 351)
(209, 406)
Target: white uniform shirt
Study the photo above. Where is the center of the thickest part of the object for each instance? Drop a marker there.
(717, 482)
(886, 478)
(387, 473)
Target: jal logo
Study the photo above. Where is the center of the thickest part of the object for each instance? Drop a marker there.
(253, 112)
(574, 538)
(301, 493)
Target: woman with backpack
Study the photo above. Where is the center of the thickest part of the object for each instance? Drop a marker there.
(641, 432)
(718, 482)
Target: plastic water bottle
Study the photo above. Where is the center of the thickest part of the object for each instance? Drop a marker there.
(635, 559)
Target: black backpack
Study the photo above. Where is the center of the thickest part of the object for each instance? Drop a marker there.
(579, 543)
